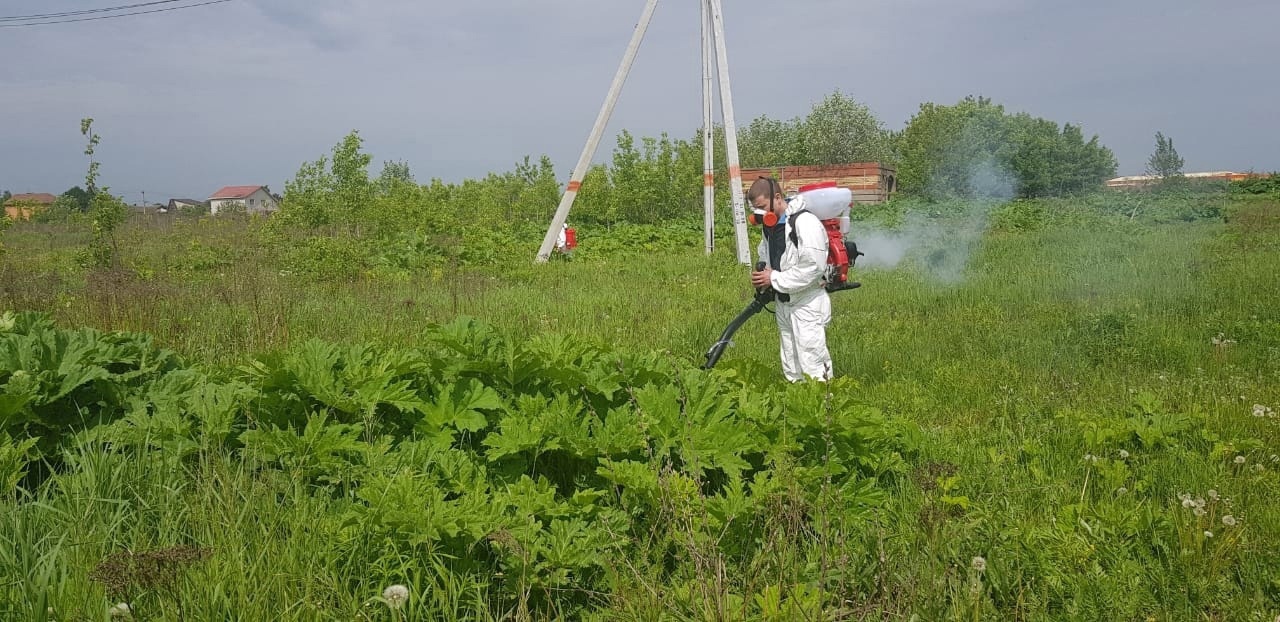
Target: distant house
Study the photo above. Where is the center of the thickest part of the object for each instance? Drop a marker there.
(255, 199)
(22, 206)
(1143, 181)
(176, 204)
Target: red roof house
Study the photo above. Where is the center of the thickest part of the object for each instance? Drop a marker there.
(253, 199)
(22, 206)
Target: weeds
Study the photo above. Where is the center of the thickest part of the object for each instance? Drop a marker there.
(1082, 427)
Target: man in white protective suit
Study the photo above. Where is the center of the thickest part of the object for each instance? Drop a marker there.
(795, 271)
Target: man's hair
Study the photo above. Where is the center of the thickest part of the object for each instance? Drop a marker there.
(763, 187)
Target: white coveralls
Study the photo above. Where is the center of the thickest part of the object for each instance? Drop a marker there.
(802, 322)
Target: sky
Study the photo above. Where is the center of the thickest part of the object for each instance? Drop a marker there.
(243, 92)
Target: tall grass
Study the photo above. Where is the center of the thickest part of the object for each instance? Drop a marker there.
(1091, 366)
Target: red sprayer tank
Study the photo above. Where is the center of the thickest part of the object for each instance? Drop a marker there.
(830, 203)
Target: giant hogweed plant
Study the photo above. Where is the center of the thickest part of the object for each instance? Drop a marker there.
(547, 460)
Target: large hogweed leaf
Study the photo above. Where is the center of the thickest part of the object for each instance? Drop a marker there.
(694, 422)
(569, 364)
(58, 381)
(408, 506)
(356, 384)
(836, 433)
(15, 455)
(321, 450)
(459, 406)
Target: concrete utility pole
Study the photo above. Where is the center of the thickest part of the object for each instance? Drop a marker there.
(712, 35)
(708, 141)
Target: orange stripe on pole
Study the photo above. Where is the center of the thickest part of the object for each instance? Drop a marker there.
(734, 171)
(708, 179)
(574, 185)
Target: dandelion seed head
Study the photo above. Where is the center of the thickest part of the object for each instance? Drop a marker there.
(1258, 468)
(1198, 511)
(1121, 490)
(1208, 534)
(1228, 520)
(1124, 455)
(1239, 460)
(121, 611)
(1187, 503)
(1184, 496)
(979, 563)
(1212, 494)
(395, 595)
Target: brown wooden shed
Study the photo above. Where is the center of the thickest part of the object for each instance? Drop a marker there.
(870, 182)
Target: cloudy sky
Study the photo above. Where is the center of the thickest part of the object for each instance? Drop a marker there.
(242, 92)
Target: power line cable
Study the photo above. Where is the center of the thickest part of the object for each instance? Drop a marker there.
(90, 19)
(110, 9)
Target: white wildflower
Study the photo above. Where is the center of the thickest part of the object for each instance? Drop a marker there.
(1228, 520)
(1198, 511)
(1184, 496)
(1188, 503)
(1260, 410)
(121, 610)
(1121, 490)
(1090, 458)
(1239, 460)
(1124, 455)
(979, 563)
(395, 595)
(1208, 534)
(1212, 494)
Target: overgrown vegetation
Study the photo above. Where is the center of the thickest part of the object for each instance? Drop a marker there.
(975, 149)
(371, 405)
(1081, 427)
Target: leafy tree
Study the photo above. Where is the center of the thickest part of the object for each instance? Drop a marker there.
(974, 148)
(1164, 161)
(331, 191)
(106, 212)
(943, 148)
(769, 142)
(394, 174)
(839, 130)
(78, 197)
(351, 189)
(1049, 162)
(658, 182)
(5, 196)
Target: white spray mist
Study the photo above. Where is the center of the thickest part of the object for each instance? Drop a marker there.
(942, 245)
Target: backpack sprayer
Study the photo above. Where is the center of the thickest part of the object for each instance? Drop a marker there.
(830, 204)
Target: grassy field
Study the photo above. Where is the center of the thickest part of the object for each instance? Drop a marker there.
(1081, 427)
